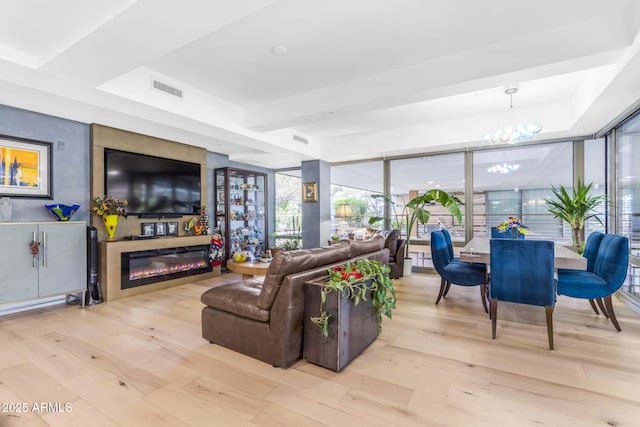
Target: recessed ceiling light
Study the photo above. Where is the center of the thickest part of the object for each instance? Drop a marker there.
(279, 50)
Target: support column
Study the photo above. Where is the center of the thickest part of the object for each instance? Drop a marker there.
(316, 216)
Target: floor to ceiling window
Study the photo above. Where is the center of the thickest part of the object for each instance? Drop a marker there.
(628, 196)
(360, 186)
(516, 182)
(288, 209)
(413, 177)
(595, 174)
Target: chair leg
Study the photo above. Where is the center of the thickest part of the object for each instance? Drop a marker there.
(494, 317)
(483, 297)
(612, 314)
(446, 290)
(549, 312)
(602, 309)
(443, 285)
(593, 305)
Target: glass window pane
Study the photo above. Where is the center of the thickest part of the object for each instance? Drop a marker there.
(515, 182)
(288, 208)
(360, 185)
(415, 176)
(628, 196)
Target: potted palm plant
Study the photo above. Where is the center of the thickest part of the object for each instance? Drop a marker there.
(575, 209)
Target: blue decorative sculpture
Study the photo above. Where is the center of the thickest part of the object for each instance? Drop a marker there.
(62, 212)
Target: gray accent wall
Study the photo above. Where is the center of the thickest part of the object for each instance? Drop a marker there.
(316, 216)
(70, 160)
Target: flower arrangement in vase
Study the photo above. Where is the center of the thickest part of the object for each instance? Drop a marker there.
(110, 209)
(513, 228)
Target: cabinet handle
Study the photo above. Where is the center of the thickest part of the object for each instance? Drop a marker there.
(44, 248)
(33, 256)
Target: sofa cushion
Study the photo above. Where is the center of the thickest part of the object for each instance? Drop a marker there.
(288, 262)
(359, 247)
(391, 243)
(239, 298)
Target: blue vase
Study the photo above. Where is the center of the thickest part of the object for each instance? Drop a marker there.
(513, 233)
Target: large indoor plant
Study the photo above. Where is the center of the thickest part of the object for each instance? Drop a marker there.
(575, 209)
(420, 214)
(415, 210)
(354, 281)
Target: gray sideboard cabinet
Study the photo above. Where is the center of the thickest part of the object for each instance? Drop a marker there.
(60, 267)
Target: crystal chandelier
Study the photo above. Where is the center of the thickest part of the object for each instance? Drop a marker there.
(513, 133)
(503, 168)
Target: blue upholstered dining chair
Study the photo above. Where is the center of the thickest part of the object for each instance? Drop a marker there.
(609, 269)
(496, 234)
(447, 238)
(455, 272)
(590, 252)
(522, 272)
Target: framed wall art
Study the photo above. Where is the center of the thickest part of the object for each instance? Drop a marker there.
(161, 229)
(25, 168)
(310, 192)
(172, 229)
(148, 228)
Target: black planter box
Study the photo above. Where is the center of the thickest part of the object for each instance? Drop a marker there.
(351, 328)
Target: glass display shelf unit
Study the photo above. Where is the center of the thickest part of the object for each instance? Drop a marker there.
(241, 210)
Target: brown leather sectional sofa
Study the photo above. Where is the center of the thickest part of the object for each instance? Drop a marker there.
(264, 319)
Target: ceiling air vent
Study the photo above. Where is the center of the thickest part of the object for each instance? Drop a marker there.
(300, 139)
(166, 88)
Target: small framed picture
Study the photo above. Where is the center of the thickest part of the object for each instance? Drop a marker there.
(310, 192)
(148, 229)
(161, 229)
(172, 229)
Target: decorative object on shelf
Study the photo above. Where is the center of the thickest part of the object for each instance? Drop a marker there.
(310, 192)
(25, 168)
(216, 249)
(513, 133)
(239, 256)
(172, 228)
(62, 212)
(576, 209)
(110, 224)
(204, 221)
(353, 281)
(193, 227)
(110, 209)
(161, 229)
(148, 229)
(513, 228)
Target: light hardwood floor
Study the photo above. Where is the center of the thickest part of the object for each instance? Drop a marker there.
(141, 361)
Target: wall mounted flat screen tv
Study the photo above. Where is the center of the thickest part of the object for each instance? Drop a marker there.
(153, 186)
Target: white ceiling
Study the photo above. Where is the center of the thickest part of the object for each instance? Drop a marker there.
(359, 79)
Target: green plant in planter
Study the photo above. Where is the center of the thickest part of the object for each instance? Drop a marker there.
(575, 209)
(416, 210)
(353, 281)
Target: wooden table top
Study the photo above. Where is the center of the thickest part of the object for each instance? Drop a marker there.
(248, 267)
(478, 250)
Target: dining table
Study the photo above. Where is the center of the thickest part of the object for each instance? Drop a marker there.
(478, 250)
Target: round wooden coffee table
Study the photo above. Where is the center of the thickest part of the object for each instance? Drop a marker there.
(248, 268)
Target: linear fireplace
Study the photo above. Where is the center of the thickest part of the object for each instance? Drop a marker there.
(145, 267)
